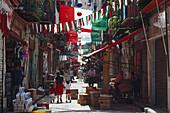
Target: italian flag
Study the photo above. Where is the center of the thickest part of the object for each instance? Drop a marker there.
(73, 17)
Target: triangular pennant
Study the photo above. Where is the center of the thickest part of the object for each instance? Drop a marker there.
(73, 25)
(94, 16)
(55, 28)
(99, 14)
(49, 26)
(69, 24)
(87, 22)
(65, 26)
(82, 20)
(60, 27)
(52, 28)
(42, 27)
(104, 12)
(37, 29)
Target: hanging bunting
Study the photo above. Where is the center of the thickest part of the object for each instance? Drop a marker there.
(72, 25)
(49, 26)
(52, 28)
(82, 20)
(37, 29)
(94, 16)
(69, 24)
(87, 22)
(60, 27)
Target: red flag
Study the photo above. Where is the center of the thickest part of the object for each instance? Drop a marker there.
(57, 28)
(66, 13)
(72, 37)
(5, 25)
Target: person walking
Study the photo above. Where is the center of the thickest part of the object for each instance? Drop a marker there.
(68, 91)
(91, 74)
(80, 75)
(58, 81)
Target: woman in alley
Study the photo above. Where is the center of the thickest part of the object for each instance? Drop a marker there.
(58, 81)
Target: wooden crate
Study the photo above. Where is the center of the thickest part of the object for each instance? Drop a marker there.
(83, 96)
(74, 91)
(94, 98)
(74, 96)
(88, 89)
(105, 102)
(84, 99)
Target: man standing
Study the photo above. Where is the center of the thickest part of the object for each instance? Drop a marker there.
(16, 80)
(91, 74)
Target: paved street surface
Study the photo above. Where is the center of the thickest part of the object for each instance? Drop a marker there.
(74, 107)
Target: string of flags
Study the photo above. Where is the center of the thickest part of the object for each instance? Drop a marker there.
(73, 25)
(90, 19)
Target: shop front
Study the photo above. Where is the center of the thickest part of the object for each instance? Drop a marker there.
(16, 51)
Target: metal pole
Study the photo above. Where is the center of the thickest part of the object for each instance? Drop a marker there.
(166, 22)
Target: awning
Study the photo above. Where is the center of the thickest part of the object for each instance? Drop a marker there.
(150, 6)
(114, 44)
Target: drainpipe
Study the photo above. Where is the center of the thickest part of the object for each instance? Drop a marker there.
(168, 77)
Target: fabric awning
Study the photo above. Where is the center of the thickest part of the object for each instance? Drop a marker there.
(150, 6)
(114, 44)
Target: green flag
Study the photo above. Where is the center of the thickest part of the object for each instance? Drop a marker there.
(96, 37)
(100, 25)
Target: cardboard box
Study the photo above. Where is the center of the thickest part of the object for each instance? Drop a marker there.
(33, 93)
